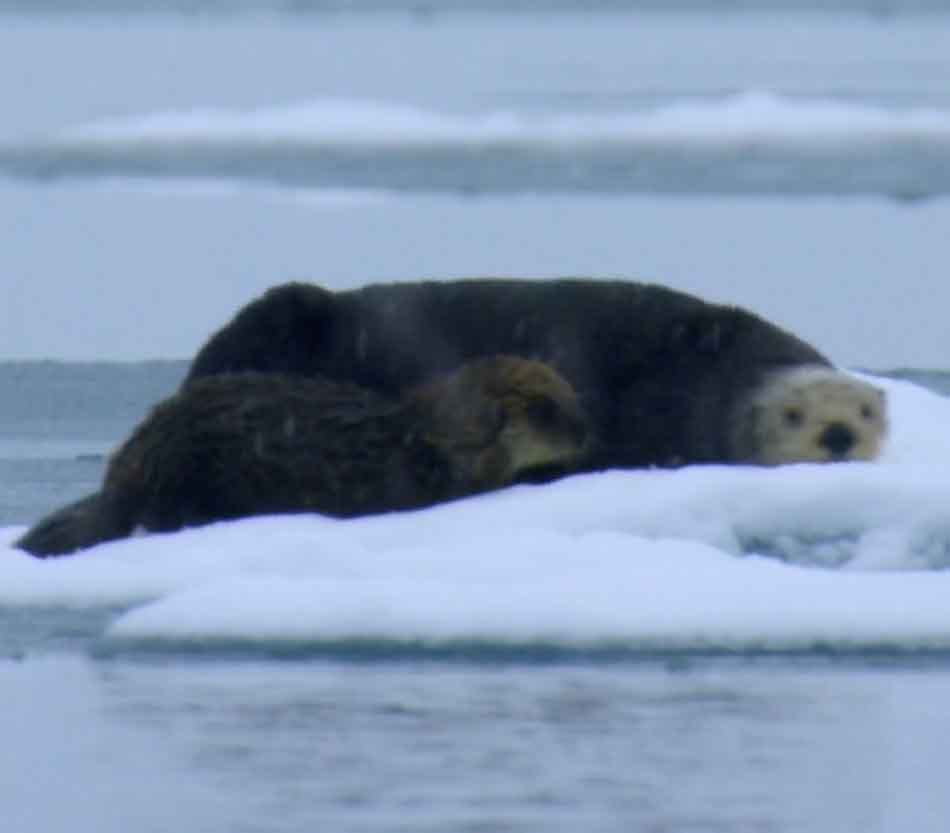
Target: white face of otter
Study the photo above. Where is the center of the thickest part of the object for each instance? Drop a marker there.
(812, 414)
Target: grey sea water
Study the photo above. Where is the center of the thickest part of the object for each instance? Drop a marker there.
(58, 421)
(116, 264)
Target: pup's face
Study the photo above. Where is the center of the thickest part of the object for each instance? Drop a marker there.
(816, 414)
(538, 423)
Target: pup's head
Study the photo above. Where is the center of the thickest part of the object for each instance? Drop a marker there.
(513, 418)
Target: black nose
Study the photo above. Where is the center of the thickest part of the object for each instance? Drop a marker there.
(838, 438)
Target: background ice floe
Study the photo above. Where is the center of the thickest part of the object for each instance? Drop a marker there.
(747, 142)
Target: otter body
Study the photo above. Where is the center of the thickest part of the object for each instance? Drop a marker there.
(235, 445)
(666, 378)
(663, 378)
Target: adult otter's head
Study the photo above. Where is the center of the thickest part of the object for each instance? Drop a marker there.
(811, 413)
(506, 418)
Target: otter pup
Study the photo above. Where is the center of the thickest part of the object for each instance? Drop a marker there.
(234, 445)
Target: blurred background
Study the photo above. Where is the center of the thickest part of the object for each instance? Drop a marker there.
(162, 163)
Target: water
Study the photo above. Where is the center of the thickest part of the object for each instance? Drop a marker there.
(609, 655)
(57, 427)
(421, 747)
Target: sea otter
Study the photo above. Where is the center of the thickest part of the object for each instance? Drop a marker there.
(666, 378)
(240, 444)
(810, 414)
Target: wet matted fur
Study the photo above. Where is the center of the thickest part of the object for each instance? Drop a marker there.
(240, 444)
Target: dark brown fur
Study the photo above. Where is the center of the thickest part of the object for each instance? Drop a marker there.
(659, 372)
(242, 444)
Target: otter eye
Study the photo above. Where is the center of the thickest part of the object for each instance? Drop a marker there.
(793, 417)
(542, 411)
(867, 412)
